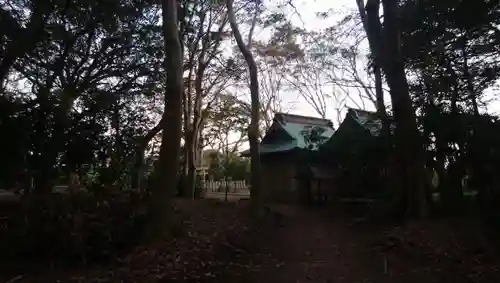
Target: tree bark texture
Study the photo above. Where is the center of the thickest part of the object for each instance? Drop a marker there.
(409, 170)
(253, 131)
(167, 167)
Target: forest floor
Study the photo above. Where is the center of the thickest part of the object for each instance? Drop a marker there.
(216, 243)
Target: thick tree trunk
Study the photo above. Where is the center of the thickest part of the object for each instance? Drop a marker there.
(167, 167)
(253, 131)
(409, 150)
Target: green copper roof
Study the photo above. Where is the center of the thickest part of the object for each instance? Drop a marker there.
(268, 148)
(368, 120)
(296, 130)
(290, 132)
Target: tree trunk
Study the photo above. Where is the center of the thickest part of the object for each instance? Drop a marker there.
(253, 131)
(116, 163)
(468, 77)
(441, 170)
(194, 138)
(189, 181)
(226, 167)
(197, 158)
(372, 26)
(450, 186)
(379, 94)
(167, 167)
(193, 109)
(409, 153)
(453, 197)
(187, 126)
(138, 170)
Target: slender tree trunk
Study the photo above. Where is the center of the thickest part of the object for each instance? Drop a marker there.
(440, 165)
(385, 134)
(444, 187)
(226, 166)
(182, 190)
(141, 145)
(197, 148)
(196, 125)
(189, 184)
(194, 108)
(450, 187)
(117, 152)
(476, 164)
(372, 26)
(379, 95)
(191, 146)
(187, 126)
(167, 167)
(253, 131)
(468, 77)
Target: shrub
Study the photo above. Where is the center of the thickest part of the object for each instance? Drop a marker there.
(76, 228)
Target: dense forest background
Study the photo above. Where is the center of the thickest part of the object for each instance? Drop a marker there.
(120, 100)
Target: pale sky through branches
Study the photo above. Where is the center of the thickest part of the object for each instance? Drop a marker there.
(304, 15)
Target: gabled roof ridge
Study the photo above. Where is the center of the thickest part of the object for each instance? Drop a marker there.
(361, 110)
(301, 116)
(282, 126)
(375, 113)
(279, 124)
(284, 118)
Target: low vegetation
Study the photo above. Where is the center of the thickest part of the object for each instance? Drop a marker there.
(107, 124)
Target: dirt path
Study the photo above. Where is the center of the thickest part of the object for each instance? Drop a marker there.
(313, 247)
(298, 246)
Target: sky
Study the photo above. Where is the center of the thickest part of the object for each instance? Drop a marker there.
(304, 16)
(307, 18)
